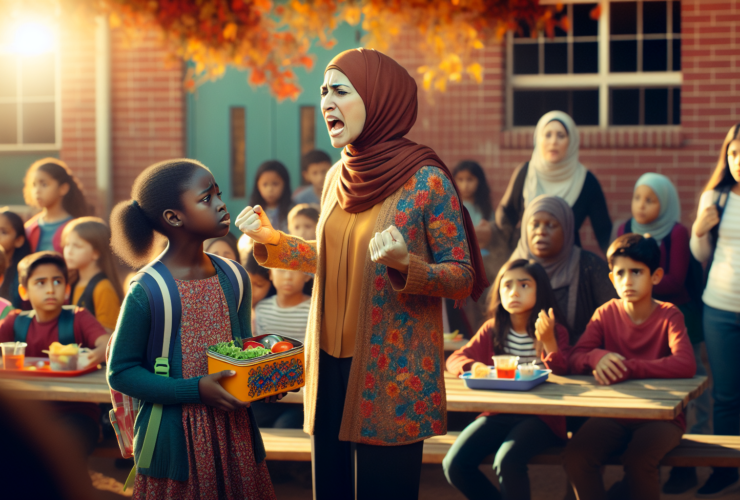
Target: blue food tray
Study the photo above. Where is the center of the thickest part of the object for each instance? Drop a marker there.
(505, 384)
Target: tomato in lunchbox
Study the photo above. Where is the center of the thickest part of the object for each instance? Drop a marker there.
(252, 344)
(282, 347)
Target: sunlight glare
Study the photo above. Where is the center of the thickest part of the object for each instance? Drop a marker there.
(32, 38)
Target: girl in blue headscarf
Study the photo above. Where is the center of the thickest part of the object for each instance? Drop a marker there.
(656, 209)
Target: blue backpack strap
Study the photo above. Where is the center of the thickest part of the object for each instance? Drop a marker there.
(628, 226)
(235, 273)
(67, 325)
(22, 325)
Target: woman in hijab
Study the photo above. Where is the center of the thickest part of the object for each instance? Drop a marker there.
(580, 279)
(656, 209)
(393, 238)
(554, 169)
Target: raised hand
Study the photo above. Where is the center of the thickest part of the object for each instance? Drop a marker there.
(544, 330)
(253, 222)
(708, 218)
(212, 394)
(389, 248)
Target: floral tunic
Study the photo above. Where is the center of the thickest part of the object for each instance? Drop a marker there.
(220, 458)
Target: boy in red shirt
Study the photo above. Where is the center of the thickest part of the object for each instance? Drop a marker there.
(633, 337)
(42, 278)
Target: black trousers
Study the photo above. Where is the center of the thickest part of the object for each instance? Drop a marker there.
(353, 471)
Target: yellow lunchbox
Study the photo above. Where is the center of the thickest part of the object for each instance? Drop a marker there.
(261, 377)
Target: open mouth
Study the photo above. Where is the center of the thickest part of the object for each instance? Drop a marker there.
(226, 218)
(336, 126)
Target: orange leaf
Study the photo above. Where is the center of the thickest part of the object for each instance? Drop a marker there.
(596, 13)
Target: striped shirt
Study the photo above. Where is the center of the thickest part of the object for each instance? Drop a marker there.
(521, 345)
(283, 321)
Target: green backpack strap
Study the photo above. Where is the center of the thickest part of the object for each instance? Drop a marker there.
(22, 324)
(6, 310)
(67, 325)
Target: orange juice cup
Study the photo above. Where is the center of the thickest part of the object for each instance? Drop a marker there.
(505, 366)
(14, 355)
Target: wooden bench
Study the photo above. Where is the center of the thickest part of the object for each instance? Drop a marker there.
(694, 450)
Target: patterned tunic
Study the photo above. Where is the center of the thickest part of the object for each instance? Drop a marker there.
(220, 458)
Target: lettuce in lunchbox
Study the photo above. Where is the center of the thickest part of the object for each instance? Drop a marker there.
(232, 350)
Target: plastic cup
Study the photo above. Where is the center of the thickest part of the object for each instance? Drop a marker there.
(505, 366)
(14, 355)
(526, 370)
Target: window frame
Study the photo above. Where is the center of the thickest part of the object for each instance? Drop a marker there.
(603, 80)
(19, 100)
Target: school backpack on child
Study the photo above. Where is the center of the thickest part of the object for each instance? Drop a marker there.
(166, 309)
(66, 325)
(86, 299)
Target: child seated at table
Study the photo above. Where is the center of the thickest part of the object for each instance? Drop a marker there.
(633, 337)
(43, 282)
(524, 322)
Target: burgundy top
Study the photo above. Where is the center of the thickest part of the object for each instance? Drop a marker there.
(480, 348)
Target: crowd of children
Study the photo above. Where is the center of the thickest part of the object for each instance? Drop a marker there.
(60, 281)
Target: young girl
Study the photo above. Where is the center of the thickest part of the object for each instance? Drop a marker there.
(51, 186)
(226, 247)
(272, 192)
(93, 278)
(15, 246)
(715, 241)
(524, 322)
(208, 445)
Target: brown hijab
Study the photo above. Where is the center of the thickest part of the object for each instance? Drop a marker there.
(381, 159)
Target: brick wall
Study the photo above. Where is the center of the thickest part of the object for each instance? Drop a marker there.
(467, 120)
(148, 110)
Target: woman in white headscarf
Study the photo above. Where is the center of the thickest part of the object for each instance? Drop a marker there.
(554, 169)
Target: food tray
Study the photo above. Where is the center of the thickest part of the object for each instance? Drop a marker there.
(505, 384)
(261, 377)
(30, 369)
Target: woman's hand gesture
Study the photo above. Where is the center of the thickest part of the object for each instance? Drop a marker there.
(707, 219)
(212, 394)
(544, 330)
(389, 248)
(253, 222)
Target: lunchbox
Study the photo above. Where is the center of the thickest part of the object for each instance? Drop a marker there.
(261, 377)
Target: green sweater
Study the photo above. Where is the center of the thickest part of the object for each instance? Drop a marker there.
(127, 373)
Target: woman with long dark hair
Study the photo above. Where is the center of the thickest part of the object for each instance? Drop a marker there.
(15, 246)
(392, 240)
(715, 242)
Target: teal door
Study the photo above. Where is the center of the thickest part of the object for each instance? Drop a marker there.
(233, 127)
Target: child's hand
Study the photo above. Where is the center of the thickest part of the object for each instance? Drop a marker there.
(390, 248)
(609, 367)
(707, 219)
(544, 330)
(253, 222)
(212, 394)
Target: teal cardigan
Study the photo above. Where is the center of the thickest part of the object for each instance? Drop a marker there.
(128, 375)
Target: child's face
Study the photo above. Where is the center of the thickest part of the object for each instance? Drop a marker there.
(271, 187)
(733, 159)
(546, 236)
(9, 240)
(645, 205)
(78, 253)
(303, 227)
(203, 213)
(288, 282)
(46, 190)
(632, 279)
(467, 183)
(46, 289)
(222, 249)
(518, 291)
(316, 173)
(260, 287)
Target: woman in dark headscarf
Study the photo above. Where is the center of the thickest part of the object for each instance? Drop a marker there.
(579, 278)
(555, 169)
(392, 239)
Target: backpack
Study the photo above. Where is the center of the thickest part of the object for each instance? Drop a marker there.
(722, 194)
(66, 325)
(86, 299)
(166, 310)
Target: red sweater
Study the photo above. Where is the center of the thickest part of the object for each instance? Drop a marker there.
(480, 348)
(657, 348)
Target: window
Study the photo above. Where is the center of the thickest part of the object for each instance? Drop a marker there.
(29, 101)
(618, 64)
(308, 129)
(238, 165)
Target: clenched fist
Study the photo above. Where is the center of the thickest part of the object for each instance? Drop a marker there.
(389, 248)
(253, 222)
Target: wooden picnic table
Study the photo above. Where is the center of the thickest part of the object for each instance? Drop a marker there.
(659, 399)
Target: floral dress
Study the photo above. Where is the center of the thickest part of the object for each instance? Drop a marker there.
(219, 443)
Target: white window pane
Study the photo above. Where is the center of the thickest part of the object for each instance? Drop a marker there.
(8, 75)
(38, 123)
(8, 128)
(38, 75)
